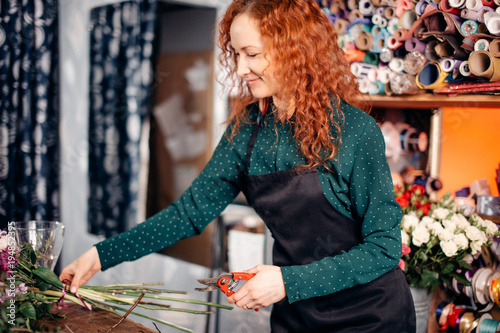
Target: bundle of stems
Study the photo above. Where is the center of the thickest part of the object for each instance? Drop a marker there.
(45, 286)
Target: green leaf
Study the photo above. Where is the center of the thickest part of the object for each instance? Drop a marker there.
(28, 310)
(464, 264)
(42, 285)
(448, 268)
(460, 278)
(48, 276)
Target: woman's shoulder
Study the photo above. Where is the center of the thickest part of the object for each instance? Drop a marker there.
(355, 119)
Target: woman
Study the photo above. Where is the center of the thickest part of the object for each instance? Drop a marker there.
(311, 164)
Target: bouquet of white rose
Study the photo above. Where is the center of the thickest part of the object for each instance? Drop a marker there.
(443, 241)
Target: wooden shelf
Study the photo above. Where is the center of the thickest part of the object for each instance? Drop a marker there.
(431, 101)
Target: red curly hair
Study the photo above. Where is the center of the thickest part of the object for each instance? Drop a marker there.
(302, 42)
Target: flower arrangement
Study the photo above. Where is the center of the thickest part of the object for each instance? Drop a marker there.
(443, 242)
(27, 292)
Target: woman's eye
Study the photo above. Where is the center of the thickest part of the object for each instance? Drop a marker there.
(251, 55)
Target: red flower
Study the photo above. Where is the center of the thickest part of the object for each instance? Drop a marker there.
(425, 208)
(403, 201)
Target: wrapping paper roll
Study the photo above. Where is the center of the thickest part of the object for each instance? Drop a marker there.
(483, 63)
(401, 83)
(366, 7)
(408, 18)
(469, 27)
(340, 25)
(392, 43)
(365, 71)
(376, 88)
(482, 45)
(431, 77)
(489, 3)
(355, 14)
(413, 44)
(389, 12)
(379, 42)
(444, 5)
(396, 65)
(495, 47)
(414, 62)
(492, 21)
(449, 64)
(352, 4)
(364, 85)
(378, 10)
(364, 41)
(393, 25)
(384, 74)
(474, 5)
(371, 58)
(464, 69)
(482, 11)
(386, 55)
(430, 52)
(420, 7)
(469, 14)
(354, 55)
(399, 34)
(457, 3)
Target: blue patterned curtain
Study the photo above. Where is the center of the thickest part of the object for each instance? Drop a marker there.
(29, 111)
(122, 46)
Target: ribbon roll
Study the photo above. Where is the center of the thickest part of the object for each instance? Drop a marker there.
(371, 58)
(474, 5)
(355, 29)
(352, 4)
(460, 4)
(396, 65)
(481, 12)
(413, 44)
(389, 12)
(449, 64)
(366, 7)
(482, 45)
(379, 42)
(376, 30)
(469, 27)
(464, 69)
(482, 63)
(408, 18)
(378, 10)
(444, 5)
(492, 21)
(469, 14)
(364, 41)
(431, 77)
(488, 326)
(489, 3)
(495, 48)
(414, 62)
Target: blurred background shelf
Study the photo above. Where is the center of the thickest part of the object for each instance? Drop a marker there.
(428, 100)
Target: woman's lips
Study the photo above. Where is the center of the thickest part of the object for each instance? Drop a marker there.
(253, 81)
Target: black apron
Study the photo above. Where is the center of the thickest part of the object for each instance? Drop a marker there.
(306, 228)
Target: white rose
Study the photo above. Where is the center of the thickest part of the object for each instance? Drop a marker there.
(428, 221)
(469, 258)
(491, 228)
(405, 239)
(461, 241)
(450, 225)
(445, 235)
(409, 222)
(436, 228)
(3, 243)
(420, 235)
(476, 247)
(440, 213)
(473, 233)
(461, 221)
(449, 248)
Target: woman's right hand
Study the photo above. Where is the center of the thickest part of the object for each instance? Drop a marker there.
(82, 269)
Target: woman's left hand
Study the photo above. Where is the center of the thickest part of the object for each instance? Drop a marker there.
(265, 288)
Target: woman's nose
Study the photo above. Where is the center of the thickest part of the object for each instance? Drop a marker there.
(242, 67)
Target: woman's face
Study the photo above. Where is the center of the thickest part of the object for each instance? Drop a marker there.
(252, 64)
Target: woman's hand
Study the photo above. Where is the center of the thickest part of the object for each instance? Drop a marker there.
(265, 288)
(82, 269)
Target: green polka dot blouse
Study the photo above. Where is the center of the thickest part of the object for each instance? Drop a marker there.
(360, 187)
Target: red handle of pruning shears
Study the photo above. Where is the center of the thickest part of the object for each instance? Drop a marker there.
(227, 284)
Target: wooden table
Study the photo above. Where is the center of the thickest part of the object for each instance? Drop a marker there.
(80, 320)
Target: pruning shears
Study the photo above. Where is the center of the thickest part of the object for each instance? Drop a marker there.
(226, 282)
